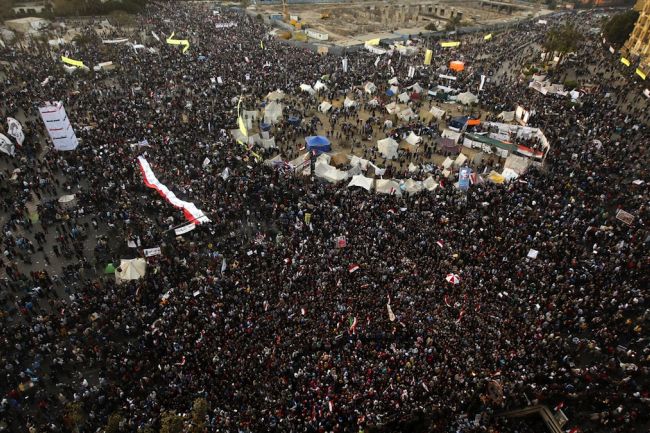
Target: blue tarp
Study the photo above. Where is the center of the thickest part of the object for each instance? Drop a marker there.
(390, 92)
(265, 126)
(294, 120)
(318, 143)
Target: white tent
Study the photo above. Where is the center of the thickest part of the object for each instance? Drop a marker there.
(412, 186)
(392, 108)
(407, 114)
(329, 173)
(272, 161)
(272, 112)
(394, 89)
(507, 116)
(403, 97)
(349, 103)
(388, 147)
(268, 143)
(373, 102)
(130, 270)
(430, 184)
(413, 168)
(307, 88)
(362, 182)
(324, 107)
(466, 98)
(437, 112)
(452, 135)
(460, 160)
(447, 162)
(249, 117)
(370, 87)
(319, 86)
(413, 139)
(387, 186)
(278, 95)
(393, 81)
(323, 158)
(356, 161)
(509, 174)
(416, 88)
(300, 163)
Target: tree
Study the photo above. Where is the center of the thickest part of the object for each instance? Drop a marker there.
(171, 423)
(113, 424)
(199, 411)
(551, 4)
(617, 30)
(453, 23)
(562, 40)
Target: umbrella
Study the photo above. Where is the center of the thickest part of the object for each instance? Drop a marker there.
(453, 278)
(110, 269)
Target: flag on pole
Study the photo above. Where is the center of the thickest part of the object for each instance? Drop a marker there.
(344, 62)
(428, 55)
(353, 325)
(487, 37)
(391, 315)
(353, 267)
(440, 243)
(15, 129)
(224, 265)
(625, 61)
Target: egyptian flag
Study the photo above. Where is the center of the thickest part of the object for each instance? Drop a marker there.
(440, 243)
(559, 406)
(353, 267)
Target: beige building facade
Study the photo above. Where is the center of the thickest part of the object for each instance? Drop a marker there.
(639, 42)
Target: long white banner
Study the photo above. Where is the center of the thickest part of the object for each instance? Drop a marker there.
(58, 126)
(192, 213)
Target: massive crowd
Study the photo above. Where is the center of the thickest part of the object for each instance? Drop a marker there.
(258, 311)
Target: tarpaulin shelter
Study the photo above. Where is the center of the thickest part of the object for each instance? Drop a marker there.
(412, 186)
(370, 87)
(403, 97)
(430, 184)
(318, 143)
(388, 147)
(272, 112)
(362, 182)
(324, 107)
(278, 95)
(347, 103)
(413, 138)
(387, 186)
(392, 108)
(329, 173)
(133, 269)
(416, 88)
(320, 86)
(407, 114)
(437, 112)
(294, 120)
(307, 88)
(457, 66)
(466, 98)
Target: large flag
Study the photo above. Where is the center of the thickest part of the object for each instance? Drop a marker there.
(450, 44)
(184, 42)
(72, 62)
(482, 83)
(463, 178)
(15, 129)
(191, 212)
(6, 146)
(345, 64)
(625, 61)
(58, 126)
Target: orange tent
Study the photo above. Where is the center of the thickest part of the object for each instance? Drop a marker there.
(473, 122)
(457, 66)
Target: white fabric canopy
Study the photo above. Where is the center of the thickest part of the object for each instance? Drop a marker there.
(373, 102)
(460, 160)
(416, 88)
(370, 87)
(466, 98)
(387, 186)
(393, 81)
(362, 182)
(278, 95)
(320, 86)
(349, 103)
(329, 173)
(324, 107)
(430, 184)
(412, 186)
(272, 112)
(391, 108)
(413, 168)
(452, 135)
(307, 88)
(413, 139)
(388, 147)
(407, 114)
(507, 116)
(363, 163)
(403, 97)
(268, 143)
(447, 162)
(130, 270)
(437, 112)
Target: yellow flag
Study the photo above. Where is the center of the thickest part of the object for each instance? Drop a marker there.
(261, 45)
(242, 126)
(427, 57)
(625, 61)
(184, 42)
(640, 73)
(373, 42)
(487, 37)
(77, 63)
(449, 44)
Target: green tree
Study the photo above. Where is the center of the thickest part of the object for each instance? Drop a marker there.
(199, 411)
(562, 40)
(619, 27)
(5, 8)
(171, 423)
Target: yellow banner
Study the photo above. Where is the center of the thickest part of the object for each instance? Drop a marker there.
(640, 73)
(427, 57)
(69, 61)
(625, 61)
(240, 121)
(449, 44)
(184, 42)
(487, 37)
(373, 42)
(261, 45)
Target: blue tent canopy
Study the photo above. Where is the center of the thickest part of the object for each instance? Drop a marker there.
(294, 120)
(390, 93)
(318, 143)
(265, 126)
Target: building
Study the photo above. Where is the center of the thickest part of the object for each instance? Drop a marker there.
(638, 45)
(35, 7)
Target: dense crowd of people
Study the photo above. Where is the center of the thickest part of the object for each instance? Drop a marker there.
(305, 306)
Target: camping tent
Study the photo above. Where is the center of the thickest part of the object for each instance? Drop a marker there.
(466, 98)
(412, 186)
(324, 107)
(373, 102)
(507, 116)
(460, 160)
(320, 86)
(392, 108)
(437, 112)
(370, 87)
(318, 143)
(130, 270)
(393, 81)
(416, 88)
(347, 103)
(362, 182)
(307, 88)
(387, 186)
(388, 147)
(329, 173)
(430, 184)
(278, 95)
(272, 112)
(413, 139)
(403, 97)
(407, 114)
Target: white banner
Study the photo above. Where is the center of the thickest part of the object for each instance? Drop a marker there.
(115, 41)
(191, 212)
(6, 146)
(345, 64)
(187, 228)
(155, 36)
(411, 73)
(58, 126)
(15, 129)
(225, 25)
(482, 83)
(377, 61)
(148, 252)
